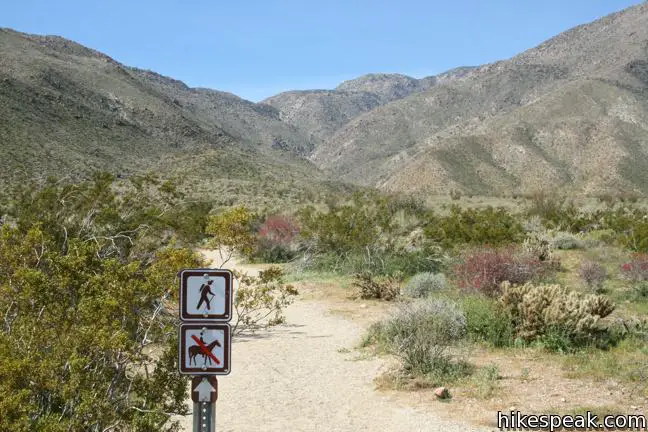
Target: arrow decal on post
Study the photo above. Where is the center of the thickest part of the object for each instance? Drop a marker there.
(204, 390)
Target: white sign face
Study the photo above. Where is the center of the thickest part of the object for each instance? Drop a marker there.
(205, 349)
(205, 294)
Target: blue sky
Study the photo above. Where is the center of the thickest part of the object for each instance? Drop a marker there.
(256, 48)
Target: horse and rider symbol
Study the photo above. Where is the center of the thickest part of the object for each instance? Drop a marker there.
(203, 349)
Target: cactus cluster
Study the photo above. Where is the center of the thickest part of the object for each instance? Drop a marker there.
(538, 245)
(536, 309)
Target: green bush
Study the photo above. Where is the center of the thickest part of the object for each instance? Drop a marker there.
(379, 262)
(630, 226)
(566, 241)
(601, 236)
(86, 278)
(558, 213)
(424, 284)
(487, 321)
(420, 333)
(640, 290)
(270, 252)
(474, 226)
(367, 234)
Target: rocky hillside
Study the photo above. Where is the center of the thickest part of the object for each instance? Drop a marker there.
(320, 113)
(66, 110)
(569, 113)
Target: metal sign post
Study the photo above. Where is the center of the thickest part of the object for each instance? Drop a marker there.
(204, 419)
(204, 392)
(205, 341)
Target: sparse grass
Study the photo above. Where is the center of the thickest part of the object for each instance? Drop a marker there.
(599, 411)
(482, 384)
(625, 362)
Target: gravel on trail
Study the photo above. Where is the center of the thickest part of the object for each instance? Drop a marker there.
(305, 376)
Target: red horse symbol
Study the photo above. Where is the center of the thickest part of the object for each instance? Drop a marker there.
(196, 350)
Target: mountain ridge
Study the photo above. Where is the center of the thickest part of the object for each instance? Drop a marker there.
(570, 113)
(383, 143)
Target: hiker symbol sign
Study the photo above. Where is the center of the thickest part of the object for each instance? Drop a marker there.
(205, 349)
(205, 294)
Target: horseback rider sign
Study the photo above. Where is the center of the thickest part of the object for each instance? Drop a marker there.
(205, 294)
(205, 349)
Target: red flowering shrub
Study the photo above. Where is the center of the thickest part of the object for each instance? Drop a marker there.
(275, 239)
(279, 229)
(637, 268)
(485, 269)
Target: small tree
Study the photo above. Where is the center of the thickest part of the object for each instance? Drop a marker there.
(231, 232)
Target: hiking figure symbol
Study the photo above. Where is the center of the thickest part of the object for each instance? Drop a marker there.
(205, 292)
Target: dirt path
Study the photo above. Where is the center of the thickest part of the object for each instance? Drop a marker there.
(305, 376)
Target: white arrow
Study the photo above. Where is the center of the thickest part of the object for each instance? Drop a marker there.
(204, 390)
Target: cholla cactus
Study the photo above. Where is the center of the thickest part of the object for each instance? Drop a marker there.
(537, 308)
(538, 245)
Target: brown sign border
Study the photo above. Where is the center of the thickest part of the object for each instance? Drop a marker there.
(184, 276)
(224, 368)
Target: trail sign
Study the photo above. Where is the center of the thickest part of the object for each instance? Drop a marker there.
(205, 348)
(205, 294)
(204, 389)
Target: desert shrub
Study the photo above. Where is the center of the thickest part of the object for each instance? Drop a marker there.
(420, 333)
(558, 213)
(275, 239)
(280, 229)
(593, 275)
(636, 269)
(424, 284)
(601, 236)
(231, 231)
(474, 226)
(260, 300)
(633, 328)
(86, 278)
(378, 262)
(371, 287)
(485, 269)
(533, 224)
(640, 290)
(487, 321)
(552, 311)
(348, 228)
(566, 241)
(630, 226)
(269, 252)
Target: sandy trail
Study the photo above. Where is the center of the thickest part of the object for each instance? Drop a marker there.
(302, 377)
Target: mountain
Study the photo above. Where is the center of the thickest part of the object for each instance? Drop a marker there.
(67, 110)
(320, 113)
(570, 113)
